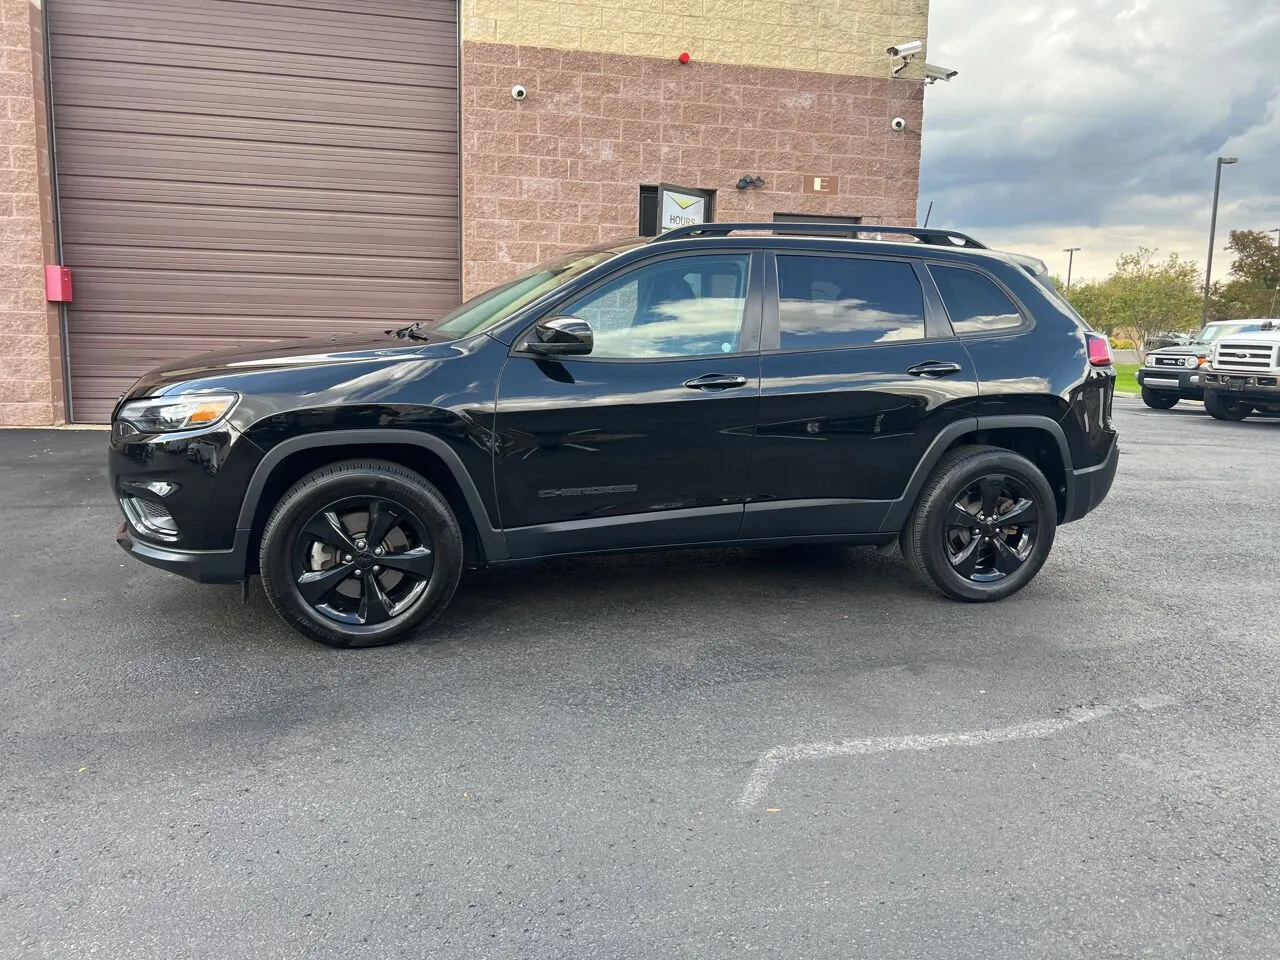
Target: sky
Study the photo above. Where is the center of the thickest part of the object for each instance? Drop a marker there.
(1096, 124)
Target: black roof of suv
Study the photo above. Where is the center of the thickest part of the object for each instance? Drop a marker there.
(728, 384)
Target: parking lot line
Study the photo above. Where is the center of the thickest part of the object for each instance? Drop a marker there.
(767, 766)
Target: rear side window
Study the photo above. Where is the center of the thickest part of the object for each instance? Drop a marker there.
(975, 303)
(826, 302)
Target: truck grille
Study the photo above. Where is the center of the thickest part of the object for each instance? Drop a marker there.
(1246, 356)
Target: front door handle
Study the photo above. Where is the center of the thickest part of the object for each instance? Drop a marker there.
(716, 381)
(933, 368)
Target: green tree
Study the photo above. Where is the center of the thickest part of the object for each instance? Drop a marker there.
(1255, 278)
(1144, 296)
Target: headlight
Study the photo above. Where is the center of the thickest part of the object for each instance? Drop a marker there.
(1191, 362)
(170, 414)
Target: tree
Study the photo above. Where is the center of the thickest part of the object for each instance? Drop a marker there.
(1142, 297)
(1255, 278)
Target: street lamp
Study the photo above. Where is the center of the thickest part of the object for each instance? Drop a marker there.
(1071, 259)
(1213, 227)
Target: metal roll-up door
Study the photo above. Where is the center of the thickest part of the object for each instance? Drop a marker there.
(233, 172)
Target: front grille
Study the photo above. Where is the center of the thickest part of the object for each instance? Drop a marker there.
(150, 518)
(1170, 362)
(1246, 356)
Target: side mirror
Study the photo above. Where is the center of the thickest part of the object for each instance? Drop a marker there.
(561, 337)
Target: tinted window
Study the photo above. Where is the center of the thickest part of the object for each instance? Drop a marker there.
(847, 302)
(975, 303)
(679, 307)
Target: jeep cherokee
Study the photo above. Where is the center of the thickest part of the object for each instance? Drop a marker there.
(720, 385)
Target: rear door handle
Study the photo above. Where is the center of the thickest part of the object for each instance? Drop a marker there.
(933, 368)
(716, 381)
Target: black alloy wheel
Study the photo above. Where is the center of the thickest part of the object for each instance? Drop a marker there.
(362, 560)
(983, 526)
(991, 529)
(361, 553)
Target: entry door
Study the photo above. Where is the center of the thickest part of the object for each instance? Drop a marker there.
(647, 440)
(855, 383)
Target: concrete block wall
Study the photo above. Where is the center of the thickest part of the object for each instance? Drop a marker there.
(833, 36)
(776, 89)
(31, 385)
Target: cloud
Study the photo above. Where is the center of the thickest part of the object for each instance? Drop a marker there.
(1096, 124)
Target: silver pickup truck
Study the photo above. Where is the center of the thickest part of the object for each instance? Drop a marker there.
(1243, 374)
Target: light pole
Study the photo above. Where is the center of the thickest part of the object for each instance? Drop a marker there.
(1071, 259)
(1213, 227)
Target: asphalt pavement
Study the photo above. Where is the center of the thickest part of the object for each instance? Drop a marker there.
(701, 755)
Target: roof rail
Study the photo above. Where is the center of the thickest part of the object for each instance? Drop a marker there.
(942, 238)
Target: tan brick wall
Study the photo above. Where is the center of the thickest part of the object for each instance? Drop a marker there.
(562, 169)
(834, 36)
(31, 389)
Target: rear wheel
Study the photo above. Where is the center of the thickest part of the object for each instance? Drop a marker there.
(361, 553)
(1159, 401)
(983, 526)
(1225, 408)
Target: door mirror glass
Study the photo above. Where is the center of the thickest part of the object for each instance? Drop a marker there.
(561, 337)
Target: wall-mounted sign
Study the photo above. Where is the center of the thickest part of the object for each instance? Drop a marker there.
(682, 207)
(821, 184)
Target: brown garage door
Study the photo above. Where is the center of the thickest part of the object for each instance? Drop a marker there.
(234, 171)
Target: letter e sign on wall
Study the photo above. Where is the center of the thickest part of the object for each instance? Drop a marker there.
(821, 184)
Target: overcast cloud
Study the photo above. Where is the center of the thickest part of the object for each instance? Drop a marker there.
(1095, 124)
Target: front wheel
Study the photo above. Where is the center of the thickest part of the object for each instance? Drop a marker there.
(1159, 401)
(360, 554)
(983, 526)
(1225, 408)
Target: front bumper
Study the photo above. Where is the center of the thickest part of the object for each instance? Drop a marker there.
(1090, 486)
(203, 566)
(1186, 382)
(1250, 388)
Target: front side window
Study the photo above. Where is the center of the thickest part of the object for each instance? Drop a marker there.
(677, 307)
(974, 302)
(831, 302)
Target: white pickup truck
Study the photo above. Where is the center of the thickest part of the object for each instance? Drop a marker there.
(1244, 374)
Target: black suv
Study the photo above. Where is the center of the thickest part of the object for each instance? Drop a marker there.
(725, 384)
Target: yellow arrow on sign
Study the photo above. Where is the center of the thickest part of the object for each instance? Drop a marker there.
(684, 203)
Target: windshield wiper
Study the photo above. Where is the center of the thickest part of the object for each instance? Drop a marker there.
(410, 332)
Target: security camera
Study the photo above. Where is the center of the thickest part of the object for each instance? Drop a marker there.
(933, 73)
(908, 49)
(898, 124)
(518, 92)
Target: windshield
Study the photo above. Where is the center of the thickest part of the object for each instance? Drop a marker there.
(493, 306)
(1216, 331)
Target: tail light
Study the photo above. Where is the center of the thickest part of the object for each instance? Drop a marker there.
(1099, 350)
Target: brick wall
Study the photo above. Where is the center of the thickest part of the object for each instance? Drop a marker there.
(31, 389)
(836, 36)
(562, 169)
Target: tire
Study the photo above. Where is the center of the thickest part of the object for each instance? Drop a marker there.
(393, 587)
(946, 555)
(1159, 401)
(1224, 408)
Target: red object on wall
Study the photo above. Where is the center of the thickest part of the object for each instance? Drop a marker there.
(684, 58)
(57, 283)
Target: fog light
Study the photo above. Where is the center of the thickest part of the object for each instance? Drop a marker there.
(160, 488)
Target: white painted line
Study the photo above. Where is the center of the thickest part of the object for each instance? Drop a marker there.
(768, 764)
